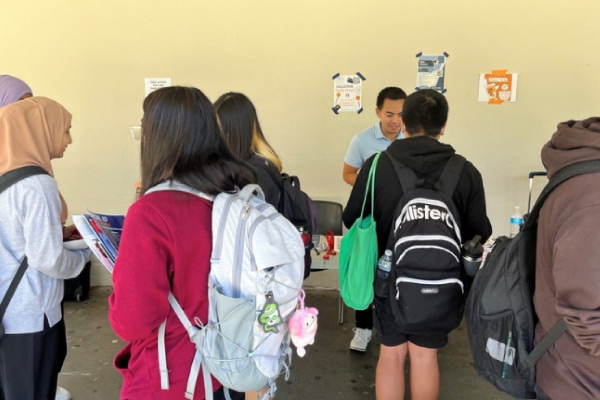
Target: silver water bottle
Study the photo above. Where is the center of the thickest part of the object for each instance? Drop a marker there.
(472, 252)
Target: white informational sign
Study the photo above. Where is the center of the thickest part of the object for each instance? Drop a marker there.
(347, 93)
(498, 87)
(153, 84)
(431, 72)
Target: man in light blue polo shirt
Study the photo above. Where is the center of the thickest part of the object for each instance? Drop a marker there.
(364, 144)
(378, 137)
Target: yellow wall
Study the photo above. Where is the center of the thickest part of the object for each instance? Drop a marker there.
(93, 56)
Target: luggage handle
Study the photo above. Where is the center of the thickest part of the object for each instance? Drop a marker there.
(531, 176)
(537, 173)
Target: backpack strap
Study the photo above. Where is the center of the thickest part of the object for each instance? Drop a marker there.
(11, 177)
(6, 180)
(580, 168)
(407, 177)
(451, 175)
(548, 340)
(197, 362)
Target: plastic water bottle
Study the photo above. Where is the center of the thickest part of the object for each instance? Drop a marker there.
(384, 266)
(516, 220)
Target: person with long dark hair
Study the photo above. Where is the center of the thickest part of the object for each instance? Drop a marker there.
(244, 136)
(166, 242)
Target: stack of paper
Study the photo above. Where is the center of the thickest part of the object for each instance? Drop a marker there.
(102, 234)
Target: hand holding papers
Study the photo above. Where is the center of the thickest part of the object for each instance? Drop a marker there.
(102, 234)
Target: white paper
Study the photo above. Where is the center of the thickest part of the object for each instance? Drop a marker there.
(153, 84)
(347, 93)
(431, 72)
(498, 351)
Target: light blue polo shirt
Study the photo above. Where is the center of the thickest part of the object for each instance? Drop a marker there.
(366, 143)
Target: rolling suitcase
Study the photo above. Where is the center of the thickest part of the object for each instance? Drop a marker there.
(78, 288)
(532, 175)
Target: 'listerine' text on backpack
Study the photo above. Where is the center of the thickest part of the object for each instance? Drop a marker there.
(426, 280)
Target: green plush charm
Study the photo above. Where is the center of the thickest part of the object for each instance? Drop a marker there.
(269, 317)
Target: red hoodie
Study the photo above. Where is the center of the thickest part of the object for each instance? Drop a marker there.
(568, 267)
(165, 246)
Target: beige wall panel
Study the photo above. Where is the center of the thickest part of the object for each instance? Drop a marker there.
(93, 57)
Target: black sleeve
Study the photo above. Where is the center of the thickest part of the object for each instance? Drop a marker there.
(268, 178)
(353, 207)
(268, 186)
(474, 214)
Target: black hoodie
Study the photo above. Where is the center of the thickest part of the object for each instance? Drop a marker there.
(427, 157)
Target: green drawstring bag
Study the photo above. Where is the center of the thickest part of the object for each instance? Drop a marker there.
(358, 254)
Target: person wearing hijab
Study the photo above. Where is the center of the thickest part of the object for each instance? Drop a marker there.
(32, 133)
(12, 90)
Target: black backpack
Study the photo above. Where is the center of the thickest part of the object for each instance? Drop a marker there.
(426, 285)
(500, 315)
(300, 210)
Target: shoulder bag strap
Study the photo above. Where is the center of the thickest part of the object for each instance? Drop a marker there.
(13, 287)
(370, 186)
(6, 180)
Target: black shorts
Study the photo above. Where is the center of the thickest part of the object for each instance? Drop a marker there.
(389, 334)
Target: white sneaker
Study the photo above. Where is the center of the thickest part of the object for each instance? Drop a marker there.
(361, 339)
(62, 394)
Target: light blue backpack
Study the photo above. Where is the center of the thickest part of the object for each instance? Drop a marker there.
(257, 267)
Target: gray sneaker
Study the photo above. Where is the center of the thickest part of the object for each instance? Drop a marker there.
(361, 339)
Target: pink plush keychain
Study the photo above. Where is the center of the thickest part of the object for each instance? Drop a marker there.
(303, 326)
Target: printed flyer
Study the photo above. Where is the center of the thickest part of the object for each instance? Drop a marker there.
(498, 87)
(431, 72)
(347, 93)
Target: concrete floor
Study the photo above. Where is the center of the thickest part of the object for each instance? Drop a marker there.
(328, 371)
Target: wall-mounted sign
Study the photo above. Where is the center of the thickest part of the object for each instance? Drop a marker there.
(431, 72)
(152, 84)
(498, 87)
(347, 93)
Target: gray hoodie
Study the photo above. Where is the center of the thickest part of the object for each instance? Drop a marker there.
(568, 267)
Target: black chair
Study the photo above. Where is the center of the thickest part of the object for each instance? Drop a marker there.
(330, 219)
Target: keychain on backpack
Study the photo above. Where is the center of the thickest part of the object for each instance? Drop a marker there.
(270, 317)
(303, 326)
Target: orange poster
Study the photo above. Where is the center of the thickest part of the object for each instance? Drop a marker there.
(498, 87)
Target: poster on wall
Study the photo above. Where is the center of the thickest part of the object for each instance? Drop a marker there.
(152, 84)
(347, 93)
(431, 71)
(498, 87)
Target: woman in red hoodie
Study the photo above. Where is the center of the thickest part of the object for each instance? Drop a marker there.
(166, 242)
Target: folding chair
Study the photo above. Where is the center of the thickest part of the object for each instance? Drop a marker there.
(330, 219)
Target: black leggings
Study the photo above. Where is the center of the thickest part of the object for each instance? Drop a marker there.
(30, 363)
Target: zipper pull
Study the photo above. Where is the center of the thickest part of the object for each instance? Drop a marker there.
(245, 211)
